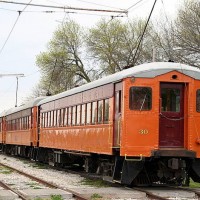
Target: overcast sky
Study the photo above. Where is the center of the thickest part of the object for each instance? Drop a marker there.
(34, 28)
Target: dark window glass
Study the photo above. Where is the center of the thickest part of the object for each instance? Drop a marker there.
(106, 111)
(118, 102)
(73, 115)
(46, 119)
(170, 100)
(69, 116)
(100, 111)
(52, 118)
(198, 101)
(58, 118)
(140, 98)
(94, 112)
(49, 119)
(88, 114)
(64, 117)
(83, 114)
(55, 117)
(78, 115)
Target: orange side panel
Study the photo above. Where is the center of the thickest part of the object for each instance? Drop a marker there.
(140, 129)
(1, 137)
(194, 121)
(141, 135)
(34, 131)
(18, 137)
(94, 138)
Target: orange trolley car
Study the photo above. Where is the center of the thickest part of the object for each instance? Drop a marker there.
(138, 126)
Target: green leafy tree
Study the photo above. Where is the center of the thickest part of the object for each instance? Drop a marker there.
(179, 39)
(113, 44)
(61, 65)
(187, 33)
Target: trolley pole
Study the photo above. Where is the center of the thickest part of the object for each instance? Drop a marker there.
(17, 76)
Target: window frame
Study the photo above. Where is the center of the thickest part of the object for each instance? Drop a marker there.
(131, 107)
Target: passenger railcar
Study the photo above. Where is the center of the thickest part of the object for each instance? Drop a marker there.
(19, 129)
(138, 126)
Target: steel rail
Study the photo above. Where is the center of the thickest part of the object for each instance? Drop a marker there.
(19, 194)
(150, 194)
(187, 189)
(46, 183)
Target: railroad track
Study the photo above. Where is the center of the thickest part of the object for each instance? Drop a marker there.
(75, 195)
(169, 193)
(149, 193)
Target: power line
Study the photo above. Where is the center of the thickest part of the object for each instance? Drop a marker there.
(66, 7)
(10, 33)
(51, 11)
(134, 4)
(112, 17)
(143, 33)
(89, 3)
(19, 13)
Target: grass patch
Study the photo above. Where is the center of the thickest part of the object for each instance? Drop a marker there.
(5, 170)
(56, 197)
(53, 197)
(96, 196)
(95, 183)
(34, 185)
(39, 166)
(194, 184)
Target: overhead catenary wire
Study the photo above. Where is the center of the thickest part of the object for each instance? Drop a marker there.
(19, 13)
(141, 38)
(127, 10)
(134, 5)
(67, 12)
(66, 7)
(88, 2)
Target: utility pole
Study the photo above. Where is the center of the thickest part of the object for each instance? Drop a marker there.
(17, 76)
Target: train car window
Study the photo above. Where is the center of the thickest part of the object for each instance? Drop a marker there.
(88, 113)
(43, 120)
(118, 102)
(41, 123)
(78, 115)
(54, 118)
(46, 119)
(65, 116)
(58, 118)
(100, 112)
(13, 125)
(94, 112)
(106, 111)
(140, 98)
(51, 119)
(170, 100)
(198, 100)
(83, 114)
(30, 121)
(69, 116)
(17, 124)
(26, 122)
(73, 115)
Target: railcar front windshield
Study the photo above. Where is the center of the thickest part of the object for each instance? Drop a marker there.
(140, 98)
